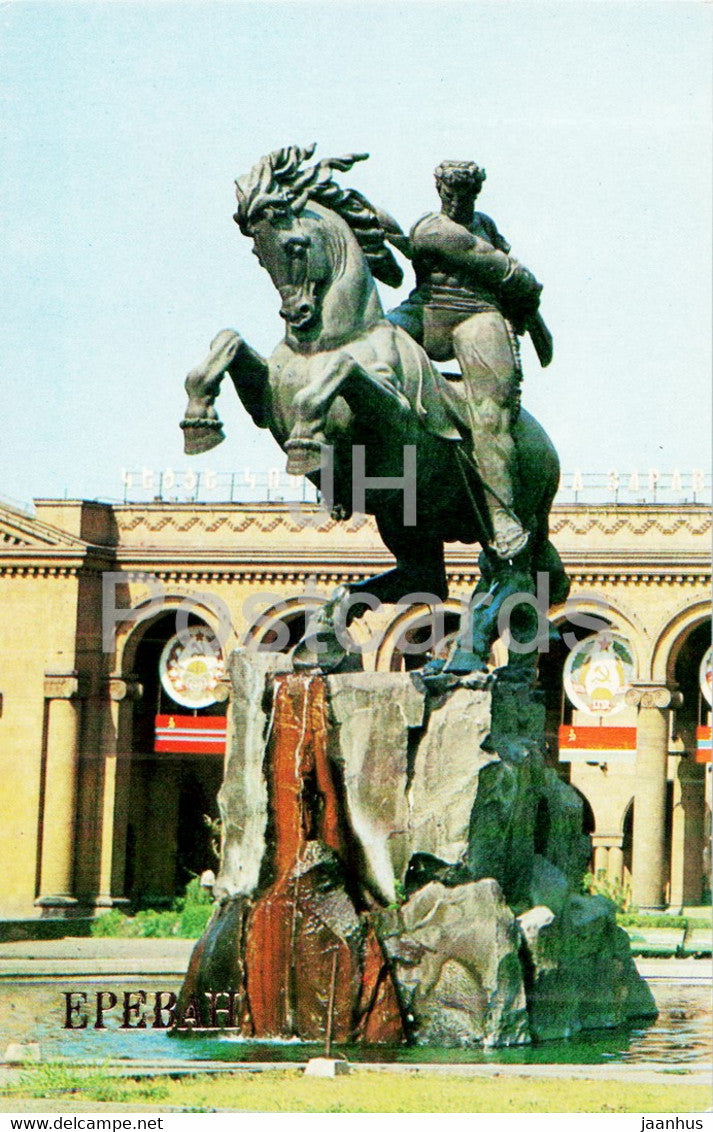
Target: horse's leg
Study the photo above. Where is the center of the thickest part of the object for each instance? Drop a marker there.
(512, 587)
(228, 354)
(341, 376)
(419, 570)
(419, 577)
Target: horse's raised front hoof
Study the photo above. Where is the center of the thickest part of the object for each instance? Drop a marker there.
(303, 457)
(332, 657)
(201, 434)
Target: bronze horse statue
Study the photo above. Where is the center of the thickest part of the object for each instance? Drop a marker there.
(345, 376)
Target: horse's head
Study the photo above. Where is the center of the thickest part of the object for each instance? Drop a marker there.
(318, 243)
(293, 250)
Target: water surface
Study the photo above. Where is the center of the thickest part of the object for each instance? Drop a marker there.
(33, 1010)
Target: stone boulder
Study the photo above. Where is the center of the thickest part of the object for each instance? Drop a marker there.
(454, 956)
(304, 930)
(243, 796)
(409, 765)
(579, 969)
(375, 717)
(388, 831)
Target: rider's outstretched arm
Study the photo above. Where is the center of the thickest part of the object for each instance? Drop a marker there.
(454, 246)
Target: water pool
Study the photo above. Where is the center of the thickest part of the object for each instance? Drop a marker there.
(33, 1010)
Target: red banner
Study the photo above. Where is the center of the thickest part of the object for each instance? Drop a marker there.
(589, 742)
(190, 734)
(703, 744)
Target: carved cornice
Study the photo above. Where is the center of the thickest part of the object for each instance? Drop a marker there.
(21, 532)
(238, 518)
(583, 521)
(252, 543)
(270, 571)
(38, 569)
(235, 520)
(267, 564)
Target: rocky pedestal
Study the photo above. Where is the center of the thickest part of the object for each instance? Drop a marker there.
(400, 864)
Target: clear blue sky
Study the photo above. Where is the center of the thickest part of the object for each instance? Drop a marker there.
(124, 126)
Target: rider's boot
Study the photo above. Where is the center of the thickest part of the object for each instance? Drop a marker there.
(508, 578)
(493, 451)
(500, 579)
(509, 536)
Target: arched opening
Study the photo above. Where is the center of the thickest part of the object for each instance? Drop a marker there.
(282, 626)
(417, 638)
(177, 751)
(588, 821)
(695, 710)
(559, 710)
(627, 843)
(423, 638)
(689, 833)
(282, 633)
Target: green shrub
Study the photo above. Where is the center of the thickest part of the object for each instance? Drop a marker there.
(193, 920)
(154, 925)
(659, 920)
(109, 924)
(599, 884)
(195, 894)
(186, 919)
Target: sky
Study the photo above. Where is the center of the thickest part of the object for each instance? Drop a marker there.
(123, 127)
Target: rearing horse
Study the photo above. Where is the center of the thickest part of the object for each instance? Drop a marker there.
(344, 376)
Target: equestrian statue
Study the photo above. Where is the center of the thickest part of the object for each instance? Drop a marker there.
(346, 376)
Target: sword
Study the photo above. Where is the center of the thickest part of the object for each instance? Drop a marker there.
(541, 338)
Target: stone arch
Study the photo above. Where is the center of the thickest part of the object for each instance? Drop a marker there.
(619, 617)
(673, 636)
(627, 838)
(414, 617)
(292, 613)
(624, 814)
(159, 831)
(589, 817)
(130, 634)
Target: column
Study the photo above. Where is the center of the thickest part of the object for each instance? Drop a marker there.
(687, 833)
(616, 861)
(63, 692)
(652, 731)
(608, 855)
(600, 847)
(116, 753)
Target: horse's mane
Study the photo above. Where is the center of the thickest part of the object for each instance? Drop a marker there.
(278, 180)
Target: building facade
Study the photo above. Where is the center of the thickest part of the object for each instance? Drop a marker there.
(110, 782)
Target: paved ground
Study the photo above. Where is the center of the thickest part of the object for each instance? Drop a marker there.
(75, 957)
(89, 956)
